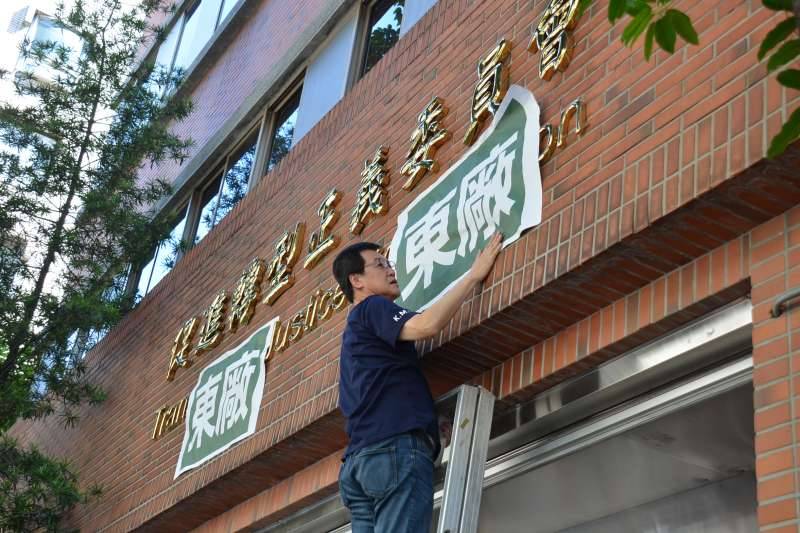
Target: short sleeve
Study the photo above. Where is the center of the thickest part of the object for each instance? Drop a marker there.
(385, 318)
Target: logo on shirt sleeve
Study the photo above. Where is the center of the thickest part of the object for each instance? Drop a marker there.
(400, 315)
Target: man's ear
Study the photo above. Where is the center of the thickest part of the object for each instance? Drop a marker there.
(355, 281)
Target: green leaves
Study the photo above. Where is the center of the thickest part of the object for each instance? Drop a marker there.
(35, 490)
(75, 202)
(616, 9)
(776, 36)
(683, 26)
(665, 34)
(657, 23)
(648, 41)
(778, 5)
(790, 78)
(663, 25)
(638, 25)
(789, 133)
(786, 53)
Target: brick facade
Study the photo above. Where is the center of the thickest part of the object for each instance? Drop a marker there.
(663, 211)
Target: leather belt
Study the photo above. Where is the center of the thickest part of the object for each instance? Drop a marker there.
(427, 439)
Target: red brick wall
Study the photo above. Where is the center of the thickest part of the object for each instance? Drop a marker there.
(668, 177)
(767, 257)
(709, 282)
(775, 269)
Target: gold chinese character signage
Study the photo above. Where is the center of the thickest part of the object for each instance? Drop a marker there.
(322, 241)
(495, 185)
(553, 37)
(279, 272)
(424, 142)
(372, 197)
(181, 356)
(245, 295)
(490, 89)
(213, 323)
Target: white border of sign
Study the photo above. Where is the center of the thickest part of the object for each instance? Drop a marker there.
(255, 400)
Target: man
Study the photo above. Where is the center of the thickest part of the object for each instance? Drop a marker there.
(386, 479)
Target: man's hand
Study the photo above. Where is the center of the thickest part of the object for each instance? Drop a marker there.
(432, 320)
(485, 260)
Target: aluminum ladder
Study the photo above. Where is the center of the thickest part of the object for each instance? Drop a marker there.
(469, 444)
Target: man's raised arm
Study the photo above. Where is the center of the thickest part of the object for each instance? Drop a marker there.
(432, 320)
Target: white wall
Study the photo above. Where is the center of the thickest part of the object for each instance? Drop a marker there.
(326, 77)
(412, 12)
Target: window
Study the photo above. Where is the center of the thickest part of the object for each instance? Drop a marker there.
(166, 52)
(198, 26)
(227, 188)
(45, 30)
(227, 5)
(191, 32)
(208, 207)
(413, 10)
(164, 258)
(283, 133)
(383, 31)
(327, 74)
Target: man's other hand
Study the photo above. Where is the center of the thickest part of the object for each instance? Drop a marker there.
(485, 260)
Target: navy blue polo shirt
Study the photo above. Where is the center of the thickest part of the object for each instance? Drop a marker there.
(382, 391)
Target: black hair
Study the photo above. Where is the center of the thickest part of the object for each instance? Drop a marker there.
(349, 261)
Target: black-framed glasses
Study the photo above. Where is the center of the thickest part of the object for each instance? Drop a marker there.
(383, 264)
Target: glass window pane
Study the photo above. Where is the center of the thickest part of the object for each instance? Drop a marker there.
(208, 203)
(166, 51)
(168, 252)
(234, 187)
(164, 259)
(144, 278)
(47, 31)
(284, 130)
(198, 28)
(384, 31)
(227, 5)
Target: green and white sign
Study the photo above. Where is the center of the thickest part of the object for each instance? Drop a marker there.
(223, 406)
(496, 185)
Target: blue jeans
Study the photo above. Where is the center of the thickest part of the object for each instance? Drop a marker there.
(388, 486)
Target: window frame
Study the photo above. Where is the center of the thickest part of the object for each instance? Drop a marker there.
(221, 167)
(262, 126)
(132, 286)
(291, 90)
(179, 19)
(360, 47)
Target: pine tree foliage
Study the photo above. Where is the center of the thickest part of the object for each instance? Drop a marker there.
(74, 215)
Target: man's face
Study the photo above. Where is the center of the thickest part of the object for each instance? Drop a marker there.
(378, 277)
